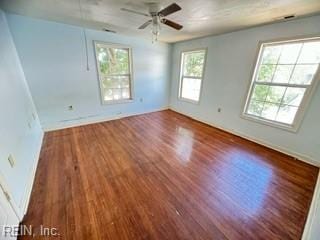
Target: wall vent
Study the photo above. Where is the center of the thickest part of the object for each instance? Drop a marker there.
(289, 17)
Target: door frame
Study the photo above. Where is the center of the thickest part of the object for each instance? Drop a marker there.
(7, 194)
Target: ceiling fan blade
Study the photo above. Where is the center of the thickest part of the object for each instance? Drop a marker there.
(146, 24)
(171, 24)
(169, 10)
(136, 12)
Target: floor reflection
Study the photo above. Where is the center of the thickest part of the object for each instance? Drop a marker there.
(244, 180)
(184, 144)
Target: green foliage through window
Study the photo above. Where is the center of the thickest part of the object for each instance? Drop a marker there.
(285, 72)
(113, 60)
(114, 71)
(193, 63)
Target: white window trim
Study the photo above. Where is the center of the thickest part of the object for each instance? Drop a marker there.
(294, 127)
(181, 75)
(114, 45)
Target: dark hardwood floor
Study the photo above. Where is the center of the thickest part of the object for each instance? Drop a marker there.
(165, 176)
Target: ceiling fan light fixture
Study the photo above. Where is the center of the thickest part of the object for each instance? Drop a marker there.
(155, 32)
(156, 26)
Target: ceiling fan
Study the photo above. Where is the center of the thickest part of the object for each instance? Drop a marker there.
(157, 17)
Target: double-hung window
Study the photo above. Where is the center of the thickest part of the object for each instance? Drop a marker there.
(191, 75)
(284, 77)
(115, 72)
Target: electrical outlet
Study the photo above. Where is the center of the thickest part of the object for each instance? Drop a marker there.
(11, 161)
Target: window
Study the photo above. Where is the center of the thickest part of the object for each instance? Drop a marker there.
(114, 70)
(192, 67)
(284, 77)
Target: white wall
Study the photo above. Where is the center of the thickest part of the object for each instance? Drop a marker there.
(53, 58)
(17, 110)
(230, 61)
(312, 227)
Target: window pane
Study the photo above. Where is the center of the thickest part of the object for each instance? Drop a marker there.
(293, 96)
(193, 64)
(125, 82)
(303, 74)
(310, 53)
(108, 95)
(191, 88)
(269, 111)
(125, 93)
(260, 92)
(111, 82)
(271, 54)
(283, 73)
(286, 114)
(113, 60)
(255, 108)
(266, 73)
(116, 94)
(289, 53)
(275, 94)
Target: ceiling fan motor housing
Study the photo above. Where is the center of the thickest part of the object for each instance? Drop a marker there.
(154, 8)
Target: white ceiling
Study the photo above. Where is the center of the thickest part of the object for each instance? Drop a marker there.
(199, 17)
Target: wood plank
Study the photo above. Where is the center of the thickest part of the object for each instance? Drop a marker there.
(165, 176)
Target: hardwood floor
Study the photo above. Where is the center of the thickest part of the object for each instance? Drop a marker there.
(165, 176)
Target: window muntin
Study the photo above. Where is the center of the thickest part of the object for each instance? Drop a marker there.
(284, 76)
(191, 76)
(114, 70)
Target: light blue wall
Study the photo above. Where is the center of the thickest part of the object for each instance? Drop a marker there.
(17, 110)
(230, 61)
(53, 58)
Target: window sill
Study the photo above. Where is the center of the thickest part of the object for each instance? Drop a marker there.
(117, 102)
(290, 128)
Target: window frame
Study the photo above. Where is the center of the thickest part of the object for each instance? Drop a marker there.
(309, 92)
(181, 76)
(131, 90)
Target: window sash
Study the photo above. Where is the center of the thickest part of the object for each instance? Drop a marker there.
(118, 88)
(282, 84)
(181, 89)
(281, 104)
(184, 76)
(116, 75)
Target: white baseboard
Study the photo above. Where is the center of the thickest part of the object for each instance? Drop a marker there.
(92, 119)
(313, 223)
(286, 151)
(29, 185)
